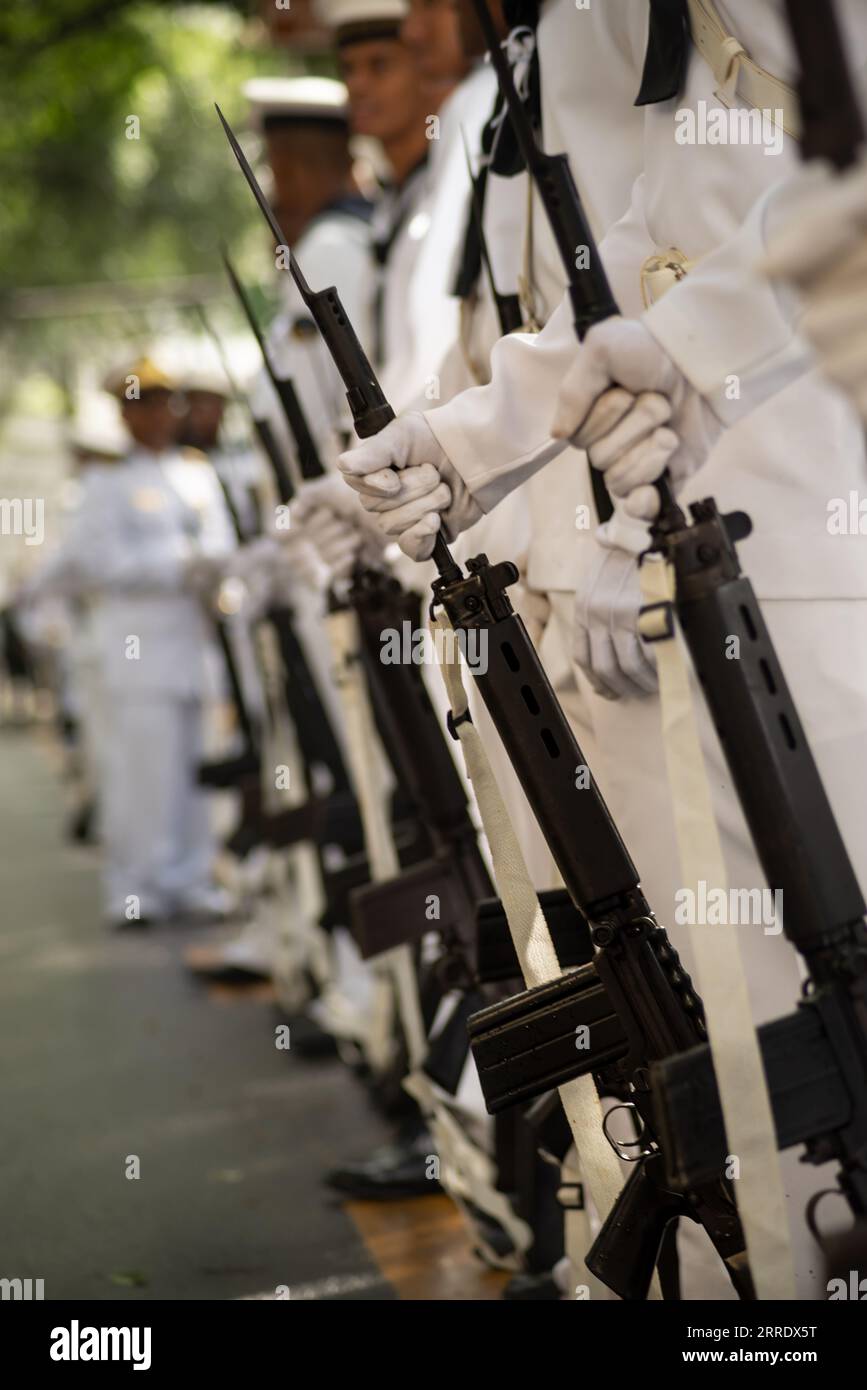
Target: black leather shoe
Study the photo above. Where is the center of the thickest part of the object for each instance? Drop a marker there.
(392, 1172)
(532, 1287)
(309, 1040)
(132, 924)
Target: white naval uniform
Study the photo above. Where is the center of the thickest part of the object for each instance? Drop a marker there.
(782, 464)
(139, 523)
(591, 57)
(334, 250)
(431, 311)
(397, 229)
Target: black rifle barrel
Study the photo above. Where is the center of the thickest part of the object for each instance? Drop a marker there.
(832, 126)
(309, 462)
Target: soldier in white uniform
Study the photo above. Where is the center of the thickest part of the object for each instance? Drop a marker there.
(709, 325)
(147, 542)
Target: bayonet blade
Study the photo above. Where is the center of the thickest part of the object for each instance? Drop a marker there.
(264, 206)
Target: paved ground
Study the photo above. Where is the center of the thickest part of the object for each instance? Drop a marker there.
(108, 1050)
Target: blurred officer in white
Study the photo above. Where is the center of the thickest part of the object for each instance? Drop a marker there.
(97, 440)
(148, 542)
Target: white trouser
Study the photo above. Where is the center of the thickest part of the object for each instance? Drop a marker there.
(156, 825)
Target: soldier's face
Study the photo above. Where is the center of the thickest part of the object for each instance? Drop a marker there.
(381, 77)
(153, 420)
(432, 34)
(310, 165)
(204, 415)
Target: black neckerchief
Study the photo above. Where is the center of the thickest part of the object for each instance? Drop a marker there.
(403, 195)
(668, 47)
(350, 204)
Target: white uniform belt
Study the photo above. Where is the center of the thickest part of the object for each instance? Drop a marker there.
(740, 78)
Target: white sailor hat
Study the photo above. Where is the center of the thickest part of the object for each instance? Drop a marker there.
(303, 99)
(353, 21)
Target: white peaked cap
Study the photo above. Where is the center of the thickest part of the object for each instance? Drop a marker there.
(356, 20)
(298, 98)
(204, 378)
(97, 427)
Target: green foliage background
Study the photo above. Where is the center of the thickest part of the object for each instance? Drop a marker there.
(81, 202)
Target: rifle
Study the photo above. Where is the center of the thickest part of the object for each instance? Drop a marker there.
(409, 835)
(816, 1058)
(390, 913)
(636, 966)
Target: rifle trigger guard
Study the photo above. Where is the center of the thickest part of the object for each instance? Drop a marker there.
(812, 1209)
(621, 1145)
(452, 723)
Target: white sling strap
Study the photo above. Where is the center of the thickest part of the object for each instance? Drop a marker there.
(720, 976)
(529, 930)
(578, 1232)
(740, 78)
(366, 763)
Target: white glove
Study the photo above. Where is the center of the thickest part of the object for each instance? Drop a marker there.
(254, 561)
(263, 566)
(635, 413)
(298, 562)
(823, 252)
(330, 516)
(406, 482)
(203, 574)
(606, 645)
